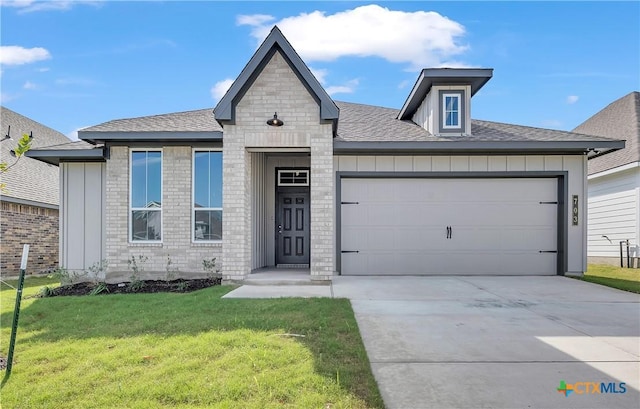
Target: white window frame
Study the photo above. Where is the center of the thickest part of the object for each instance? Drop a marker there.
(280, 171)
(193, 196)
(444, 111)
(132, 209)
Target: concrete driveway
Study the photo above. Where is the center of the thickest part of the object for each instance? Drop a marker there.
(497, 342)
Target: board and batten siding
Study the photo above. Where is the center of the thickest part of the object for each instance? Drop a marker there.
(82, 215)
(575, 165)
(614, 211)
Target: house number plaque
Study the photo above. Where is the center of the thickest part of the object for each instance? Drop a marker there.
(574, 210)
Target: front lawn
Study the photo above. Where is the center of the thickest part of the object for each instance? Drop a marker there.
(627, 279)
(191, 350)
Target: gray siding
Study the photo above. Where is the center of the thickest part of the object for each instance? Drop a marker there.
(82, 216)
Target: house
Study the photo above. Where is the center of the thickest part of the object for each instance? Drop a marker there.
(279, 174)
(29, 201)
(614, 183)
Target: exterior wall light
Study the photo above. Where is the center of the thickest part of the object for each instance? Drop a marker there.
(275, 121)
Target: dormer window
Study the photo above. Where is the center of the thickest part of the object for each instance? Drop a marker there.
(451, 112)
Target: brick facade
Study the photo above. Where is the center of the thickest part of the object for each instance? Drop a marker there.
(276, 89)
(24, 224)
(176, 219)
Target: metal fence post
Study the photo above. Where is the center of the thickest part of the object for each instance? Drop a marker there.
(16, 314)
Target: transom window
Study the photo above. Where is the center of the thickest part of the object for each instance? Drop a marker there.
(294, 177)
(207, 196)
(146, 196)
(451, 111)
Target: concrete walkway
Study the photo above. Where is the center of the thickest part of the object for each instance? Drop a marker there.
(494, 342)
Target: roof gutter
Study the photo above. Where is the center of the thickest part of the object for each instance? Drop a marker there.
(476, 147)
(160, 136)
(55, 156)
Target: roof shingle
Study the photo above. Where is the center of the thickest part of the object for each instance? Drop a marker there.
(29, 179)
(619, 120)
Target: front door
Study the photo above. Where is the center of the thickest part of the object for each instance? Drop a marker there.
(292, 228)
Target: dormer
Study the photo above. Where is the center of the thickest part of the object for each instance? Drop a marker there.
(440, 100)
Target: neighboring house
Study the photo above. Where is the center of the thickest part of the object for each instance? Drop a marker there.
(29, 213)
(332, 187)
(614, 183)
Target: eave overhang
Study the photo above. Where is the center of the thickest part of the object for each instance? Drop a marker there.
(476, 148)
(160, 136)
(55, 156)
(476, 77)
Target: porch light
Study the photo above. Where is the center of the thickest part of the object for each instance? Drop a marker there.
(275, 121)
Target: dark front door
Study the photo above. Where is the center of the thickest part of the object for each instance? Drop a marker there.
(292, 228)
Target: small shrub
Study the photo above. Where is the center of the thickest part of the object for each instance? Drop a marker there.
(45, 292)
(182, 286)
(172, 273)
(209, 266)
(97, 269)
(137, 267)
(99, 289)
(65, 277)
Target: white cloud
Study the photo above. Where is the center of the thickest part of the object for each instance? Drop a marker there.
(73, 135)
(572, 99)
(29, 85)
(221, 88)
(29, 6)
(403, 84)
(319, 73)
(16, 55)
(347, 88)
(5, 97)
(420, 39)
(254, 19)
(43, 69)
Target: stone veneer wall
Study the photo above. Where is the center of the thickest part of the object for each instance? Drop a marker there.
(276, 89)
(24, 224)
(176, 220)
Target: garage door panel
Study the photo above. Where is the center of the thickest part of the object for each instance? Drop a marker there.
(399, 226)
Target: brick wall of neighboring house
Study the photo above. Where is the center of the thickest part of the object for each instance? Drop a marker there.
(24, 224)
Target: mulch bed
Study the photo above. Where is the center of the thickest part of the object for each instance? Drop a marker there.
(146, 286)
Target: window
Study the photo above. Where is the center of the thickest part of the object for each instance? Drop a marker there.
(146, 196)
(293, 177)
(450, 111)
(207, 196)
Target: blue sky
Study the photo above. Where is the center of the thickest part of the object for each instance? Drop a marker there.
(71, 64)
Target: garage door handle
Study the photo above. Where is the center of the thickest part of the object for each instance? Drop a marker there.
(548, 251)
(349, 251)
(449, 232)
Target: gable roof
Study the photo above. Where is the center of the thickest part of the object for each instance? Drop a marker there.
(367, 127)
(619, 120)
(275, 41)
(30, 181)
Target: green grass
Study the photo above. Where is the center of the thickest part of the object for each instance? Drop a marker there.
(192, 350)
(627, 279)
